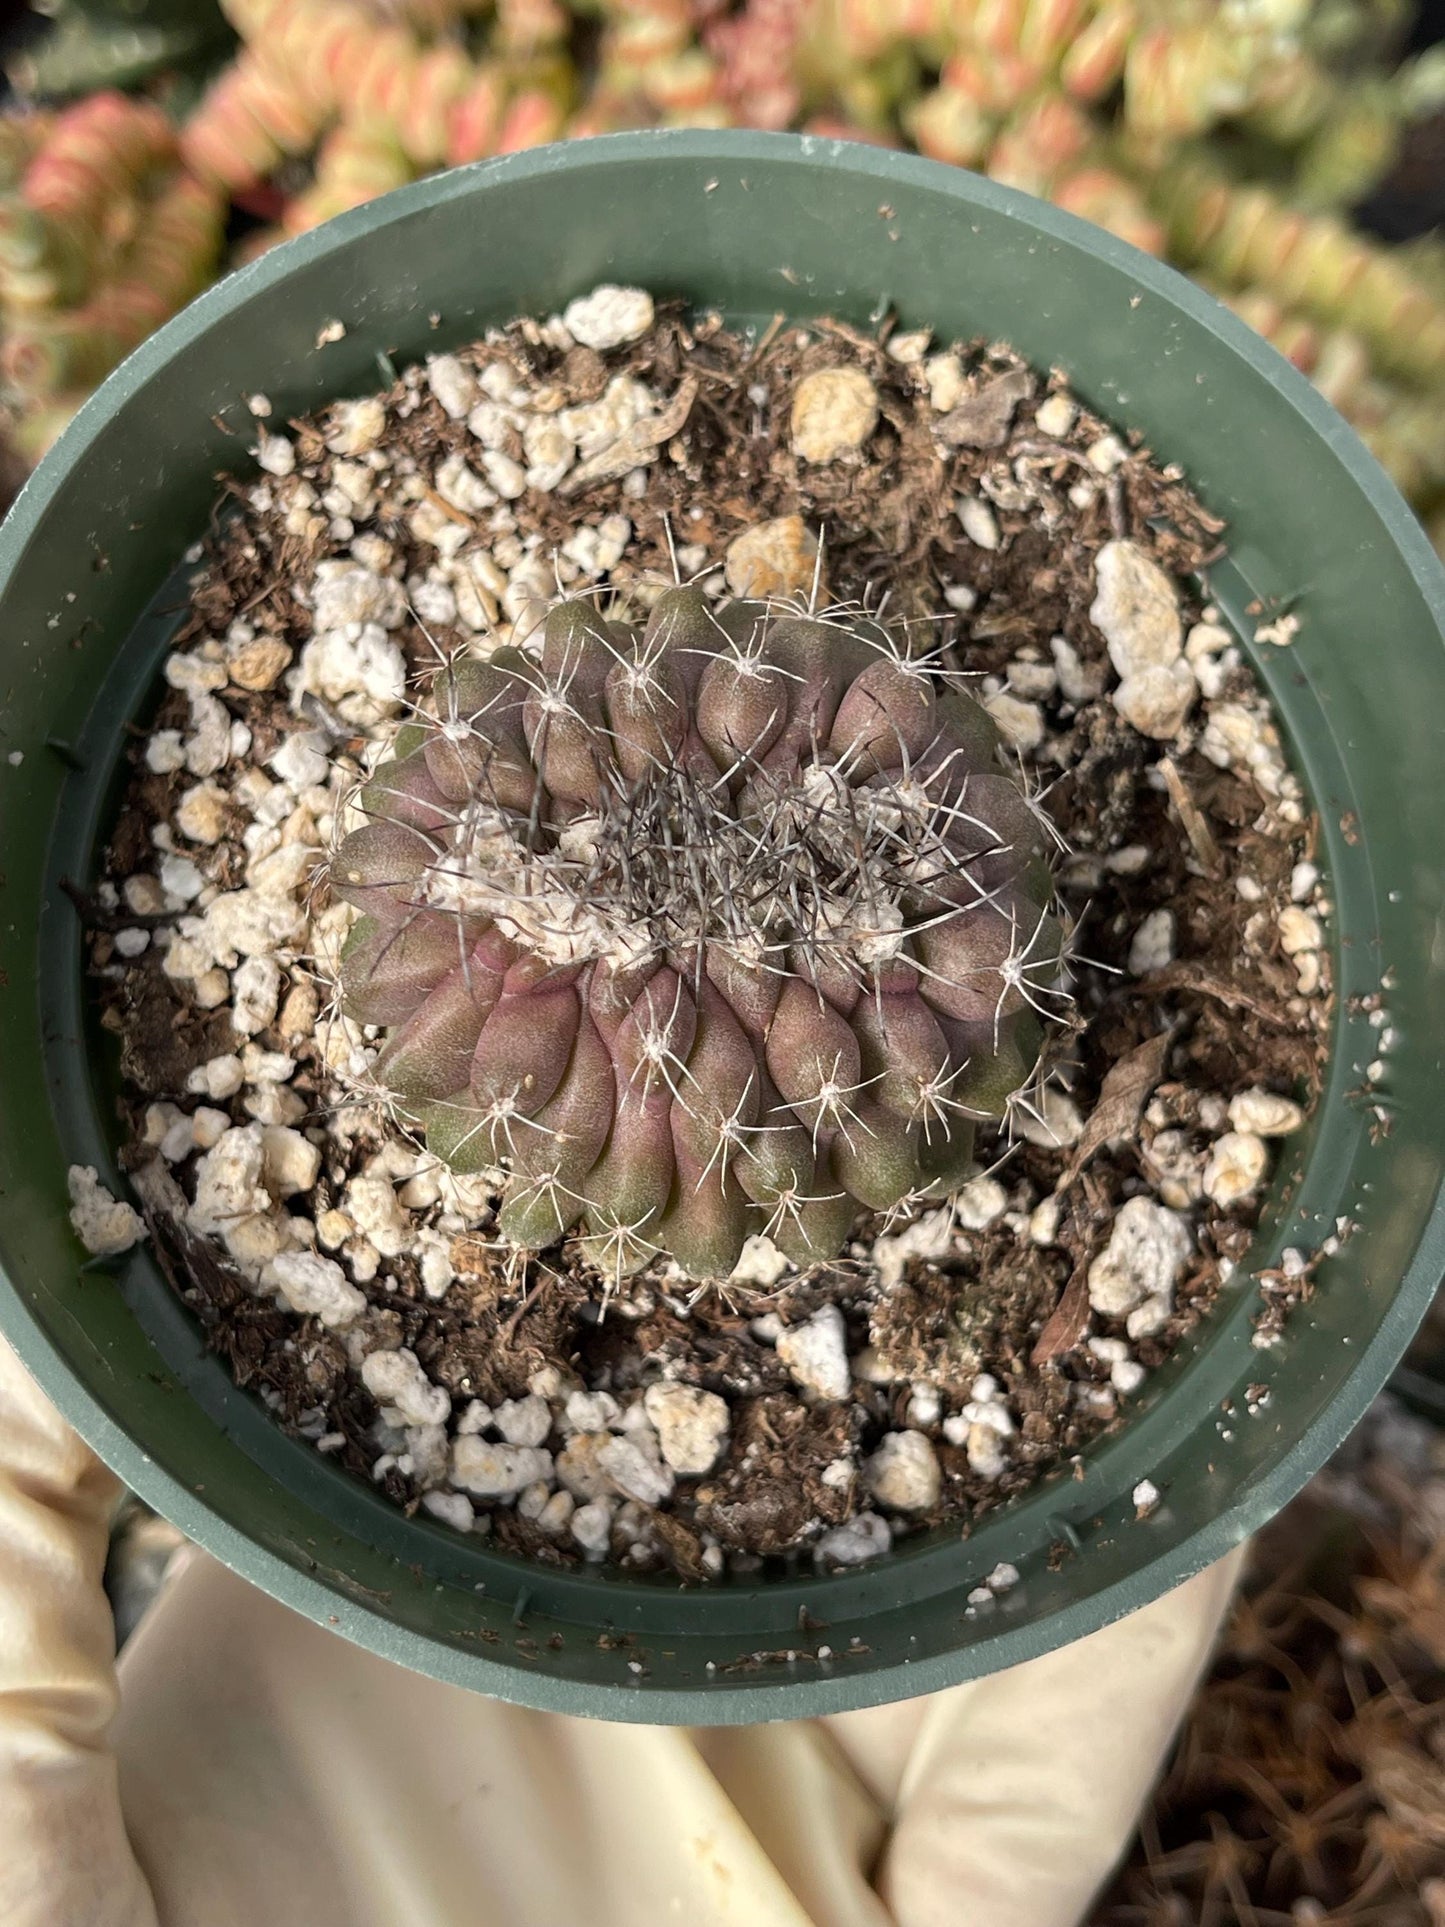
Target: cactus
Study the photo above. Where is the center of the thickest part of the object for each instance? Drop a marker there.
(737, 924)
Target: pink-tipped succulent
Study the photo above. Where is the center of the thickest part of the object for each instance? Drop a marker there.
(734, 924)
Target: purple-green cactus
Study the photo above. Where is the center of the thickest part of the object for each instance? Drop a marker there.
(736, 924)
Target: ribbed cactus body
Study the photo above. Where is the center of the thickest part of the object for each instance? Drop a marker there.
(734, 924)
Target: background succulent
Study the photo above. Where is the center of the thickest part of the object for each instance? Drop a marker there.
(737, 923)
(1244, 143)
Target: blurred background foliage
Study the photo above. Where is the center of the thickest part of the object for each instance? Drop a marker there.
(1290, 154)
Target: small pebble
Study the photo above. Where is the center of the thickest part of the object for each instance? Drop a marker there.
(778, 558)
(978, 522)
(835, 410)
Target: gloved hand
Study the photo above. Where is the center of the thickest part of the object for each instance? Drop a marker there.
(262, 1773)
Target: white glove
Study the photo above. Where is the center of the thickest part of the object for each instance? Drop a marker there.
(271, 1775)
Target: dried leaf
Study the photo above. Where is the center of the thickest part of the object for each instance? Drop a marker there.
(1121, 1101)
(983, 420)
(635, 445)
(1191, 816)
(1068, 1320)
(1223, 990)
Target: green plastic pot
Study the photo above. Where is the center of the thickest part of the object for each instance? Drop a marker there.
(752, 224)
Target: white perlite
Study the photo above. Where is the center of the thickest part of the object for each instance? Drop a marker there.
(316, 1287)
(634, 1471)
(1136, 610)
(903, 1473)
(854, 1544)
(927, 1237)
(454, 385)
(255, 993)
(1157, 701)
(290, 1163)
(1051, 1119)
(609, 317)
(1299, 931)
(454, 1509)
(498, 1471)
(947, 384)
(816, 1353)
(1056, 416)
(692, 1426)
(229, 1179)
(524, 1421)
(759, 1263)
(1152, 946)
(980, 1203)
(103, 1224)
(1147, 1249)
(397, 1379)
(1021, 724)
(1236, 1168)
(358, 669)
(591, 1526)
